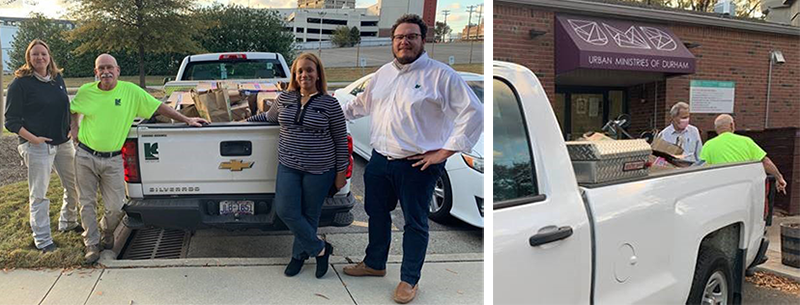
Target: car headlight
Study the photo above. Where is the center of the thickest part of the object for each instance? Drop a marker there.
(473, 161)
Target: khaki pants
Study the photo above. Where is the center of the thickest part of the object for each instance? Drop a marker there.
(40, 160)
(109, 175)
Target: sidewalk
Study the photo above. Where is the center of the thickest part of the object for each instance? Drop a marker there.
(446, 279)
(773, 264)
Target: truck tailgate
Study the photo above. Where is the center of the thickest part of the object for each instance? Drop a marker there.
(229, 158)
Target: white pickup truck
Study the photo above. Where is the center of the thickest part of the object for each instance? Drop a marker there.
(670, 237)
(219, 175)
(235, 67)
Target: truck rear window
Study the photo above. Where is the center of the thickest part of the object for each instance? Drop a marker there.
(234, 69)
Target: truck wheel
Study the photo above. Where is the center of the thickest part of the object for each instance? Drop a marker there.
(713, 281)
(442, 200)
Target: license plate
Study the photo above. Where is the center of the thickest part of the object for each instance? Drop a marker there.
(241, 207)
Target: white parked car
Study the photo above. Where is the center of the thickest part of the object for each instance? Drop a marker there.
(459, 192)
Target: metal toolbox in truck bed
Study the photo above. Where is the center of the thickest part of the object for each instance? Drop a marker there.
(603, 161)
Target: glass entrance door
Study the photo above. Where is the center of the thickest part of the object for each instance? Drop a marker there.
(584, 109)
(586, 113)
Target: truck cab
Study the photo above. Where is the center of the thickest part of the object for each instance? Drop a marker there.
(230, 66)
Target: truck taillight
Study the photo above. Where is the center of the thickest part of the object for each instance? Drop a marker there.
(350, 153)
(769, 197)
(130, 160)
(232, 56)
(766, 199)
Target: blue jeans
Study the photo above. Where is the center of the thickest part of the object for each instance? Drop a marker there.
(298, 201)
(386, 182)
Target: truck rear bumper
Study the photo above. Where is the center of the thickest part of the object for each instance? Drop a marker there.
(203, 212)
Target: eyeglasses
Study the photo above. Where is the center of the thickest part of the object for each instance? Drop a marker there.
(412, 36)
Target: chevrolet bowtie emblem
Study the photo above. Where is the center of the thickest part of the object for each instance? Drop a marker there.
(236, 165)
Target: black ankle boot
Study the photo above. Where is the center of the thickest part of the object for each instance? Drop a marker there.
(294, 267)
(322, 261)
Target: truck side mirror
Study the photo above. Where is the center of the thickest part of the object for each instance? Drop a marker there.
(167, 79)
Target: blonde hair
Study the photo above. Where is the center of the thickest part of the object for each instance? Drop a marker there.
(27, 68)
(322, 85)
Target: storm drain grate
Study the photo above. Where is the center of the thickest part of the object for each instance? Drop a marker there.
(155, 243)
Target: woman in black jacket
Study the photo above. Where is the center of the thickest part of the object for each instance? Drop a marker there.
(37, 109)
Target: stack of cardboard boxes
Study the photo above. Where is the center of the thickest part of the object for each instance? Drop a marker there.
(224, 101)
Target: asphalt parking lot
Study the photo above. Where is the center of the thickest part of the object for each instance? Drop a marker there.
(377, 56)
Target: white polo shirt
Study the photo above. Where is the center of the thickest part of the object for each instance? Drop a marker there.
(418, 107)
(688, 139)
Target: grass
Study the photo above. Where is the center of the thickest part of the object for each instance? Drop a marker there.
(335, 74)
(16, 243)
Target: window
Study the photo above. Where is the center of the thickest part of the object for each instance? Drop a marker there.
(477, 88)
(360, 88)
(514, 175)
(234, 69)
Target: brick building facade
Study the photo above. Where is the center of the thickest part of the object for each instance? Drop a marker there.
(724, 49)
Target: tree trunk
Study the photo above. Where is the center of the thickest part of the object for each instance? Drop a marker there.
(141, 66)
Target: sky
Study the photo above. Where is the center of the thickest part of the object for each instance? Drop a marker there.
(55, 8)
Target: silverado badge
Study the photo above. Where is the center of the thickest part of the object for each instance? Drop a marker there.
(236, 165)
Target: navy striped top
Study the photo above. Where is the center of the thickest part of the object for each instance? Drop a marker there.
(313, 138)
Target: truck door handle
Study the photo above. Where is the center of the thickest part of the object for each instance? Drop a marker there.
(548, 237)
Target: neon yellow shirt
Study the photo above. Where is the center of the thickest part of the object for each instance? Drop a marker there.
(729, 148)
(108, 115)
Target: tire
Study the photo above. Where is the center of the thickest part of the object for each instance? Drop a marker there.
(713, 280)
(442, 200)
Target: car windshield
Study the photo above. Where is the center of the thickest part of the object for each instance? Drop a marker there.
(477, 87)
(234, 69)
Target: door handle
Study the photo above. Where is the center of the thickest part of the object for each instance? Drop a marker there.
(548, 237)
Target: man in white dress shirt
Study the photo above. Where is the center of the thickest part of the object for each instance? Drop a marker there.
(422, 113)
(680, 133)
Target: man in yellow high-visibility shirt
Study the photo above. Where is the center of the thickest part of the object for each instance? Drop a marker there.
(729, 147)
(108, 107)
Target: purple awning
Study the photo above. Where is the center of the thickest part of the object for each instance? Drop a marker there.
(594, 43)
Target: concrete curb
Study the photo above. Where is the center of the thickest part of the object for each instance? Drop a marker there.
(107, 261)
(778, 273)
(775, 267)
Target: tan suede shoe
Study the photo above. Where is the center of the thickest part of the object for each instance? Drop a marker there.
(404, 293)
(362, 270)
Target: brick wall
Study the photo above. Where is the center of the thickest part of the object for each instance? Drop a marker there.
(724, 54)
(512, 25)
(743, 57)
(643, 101)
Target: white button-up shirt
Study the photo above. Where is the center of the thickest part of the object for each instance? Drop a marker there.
(688, 139)
(418, 107)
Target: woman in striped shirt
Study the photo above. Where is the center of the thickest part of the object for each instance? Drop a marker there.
(312, 155)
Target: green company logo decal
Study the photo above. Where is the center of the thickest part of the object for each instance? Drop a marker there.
(151, 151)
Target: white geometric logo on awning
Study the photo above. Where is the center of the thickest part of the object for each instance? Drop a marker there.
(631, 38)
(660, 39)
(589, 31)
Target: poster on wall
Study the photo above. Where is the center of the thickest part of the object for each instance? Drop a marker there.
(580, 106)
(594, 107)
(708, 96)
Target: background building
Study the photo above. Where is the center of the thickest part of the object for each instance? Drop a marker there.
(782, 11)
(474, 32)
(8, 29)
(310, 25)
(390, 11)
(334, 4)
